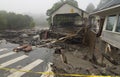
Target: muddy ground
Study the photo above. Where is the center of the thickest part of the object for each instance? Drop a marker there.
(77, 55)
(79, 62)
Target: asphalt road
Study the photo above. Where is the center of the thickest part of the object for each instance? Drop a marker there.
(36, 60)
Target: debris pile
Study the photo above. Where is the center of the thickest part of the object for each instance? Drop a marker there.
(72, 55)
(72, 52)
(78, 62)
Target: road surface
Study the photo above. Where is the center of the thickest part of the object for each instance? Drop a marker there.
(37, 61)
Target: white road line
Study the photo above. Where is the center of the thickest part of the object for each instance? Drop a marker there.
(3, 49)
(12, 61)
(28, 67)
(7, 54)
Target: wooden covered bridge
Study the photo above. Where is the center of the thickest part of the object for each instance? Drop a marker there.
(67, 18)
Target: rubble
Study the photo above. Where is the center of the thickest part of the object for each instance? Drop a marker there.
(78, 65)
(72, 53)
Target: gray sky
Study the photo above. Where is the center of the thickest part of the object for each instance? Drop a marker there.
(36, 6)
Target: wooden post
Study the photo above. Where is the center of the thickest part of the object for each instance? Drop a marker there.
(46, 34)
(107, 49)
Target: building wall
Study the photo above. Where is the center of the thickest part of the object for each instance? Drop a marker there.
(111, 37)
(86, 15)
(66, 8)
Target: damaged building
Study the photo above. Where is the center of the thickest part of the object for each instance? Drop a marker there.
(67, 18)
(103, 54)
(108, 36)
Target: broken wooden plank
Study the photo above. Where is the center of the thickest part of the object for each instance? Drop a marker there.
(110, 59)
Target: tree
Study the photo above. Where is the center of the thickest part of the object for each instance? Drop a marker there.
(15, 21)
(72, 2)
(3, 21)
(59, 3)
(90, 8)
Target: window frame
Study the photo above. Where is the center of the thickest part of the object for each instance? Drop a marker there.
(118, 19)
(115, 24)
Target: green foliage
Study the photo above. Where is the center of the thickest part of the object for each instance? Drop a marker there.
(60, 3)
(3, 21)
(72, 2)
(15, 21)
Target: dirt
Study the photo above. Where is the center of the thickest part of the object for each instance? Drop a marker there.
(79, 63)
(78, 55)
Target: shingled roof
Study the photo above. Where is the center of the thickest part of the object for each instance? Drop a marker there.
(109, 4)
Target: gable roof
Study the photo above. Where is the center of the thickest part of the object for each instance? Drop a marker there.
(107, 5)
(68, 4)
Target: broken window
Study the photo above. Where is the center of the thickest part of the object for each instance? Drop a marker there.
(118, 25)
(110, 22)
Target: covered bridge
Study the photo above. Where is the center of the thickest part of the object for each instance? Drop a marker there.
(67, 18)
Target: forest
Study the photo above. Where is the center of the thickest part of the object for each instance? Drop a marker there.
(13, 21)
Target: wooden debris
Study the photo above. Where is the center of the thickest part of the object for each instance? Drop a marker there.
(19, 48)
(25, 48)
(110, 59)
(63, 57)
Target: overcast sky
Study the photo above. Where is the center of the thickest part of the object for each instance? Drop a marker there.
(36, 6)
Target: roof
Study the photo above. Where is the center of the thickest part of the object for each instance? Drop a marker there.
(68, 4)
(107, 5)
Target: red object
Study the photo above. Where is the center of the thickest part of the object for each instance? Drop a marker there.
(23, 48)
(27, 49)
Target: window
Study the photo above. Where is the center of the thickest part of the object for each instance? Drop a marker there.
(118, 25)
(110, 22)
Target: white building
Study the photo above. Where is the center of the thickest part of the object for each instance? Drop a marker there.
(109, 14)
